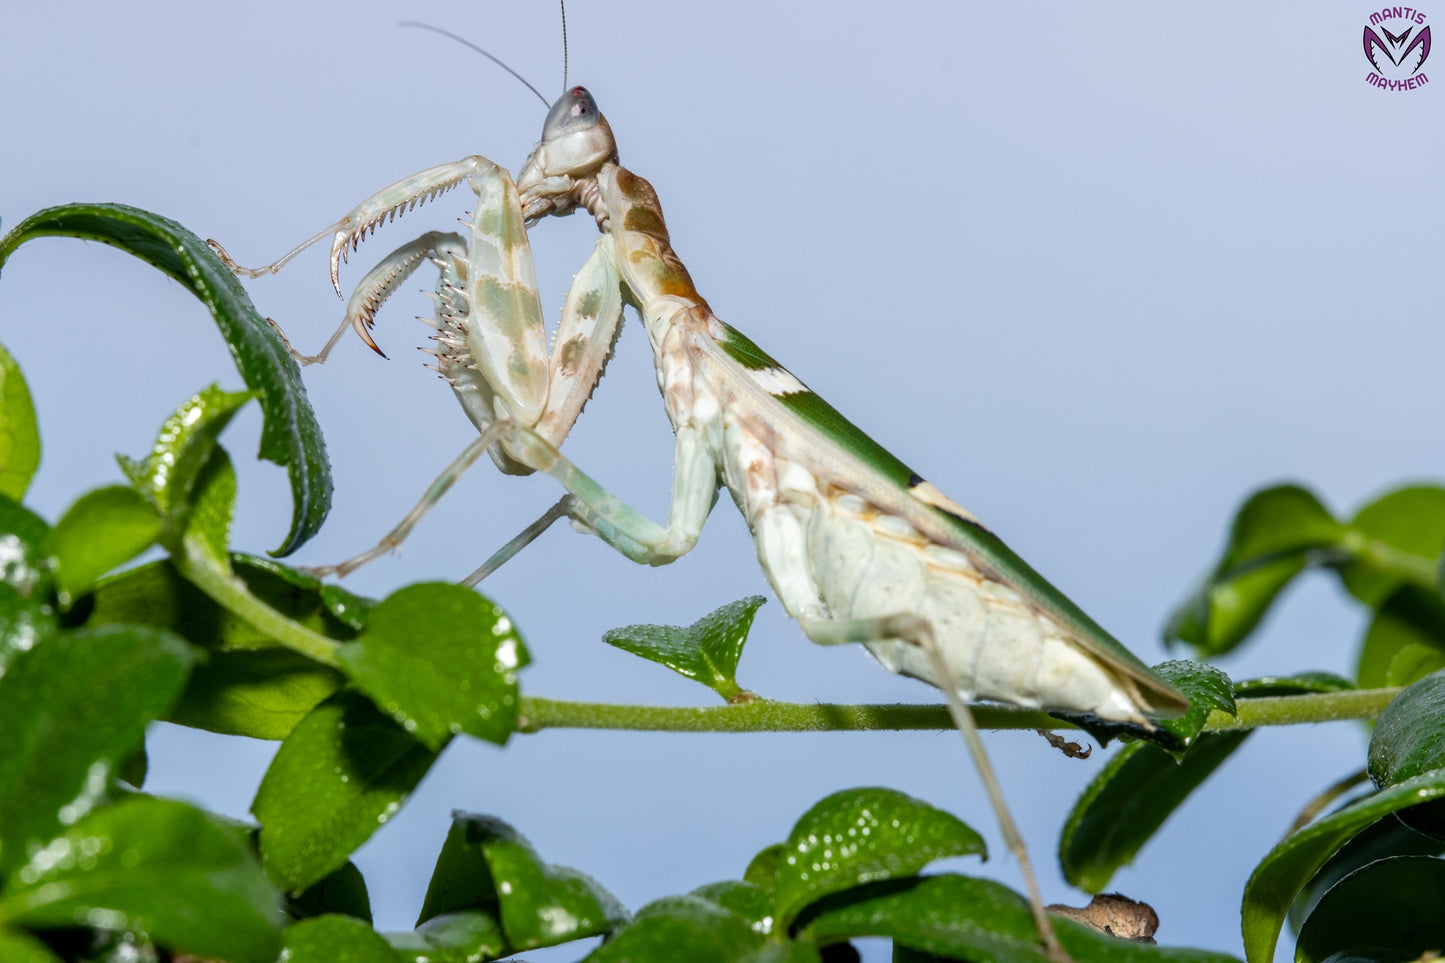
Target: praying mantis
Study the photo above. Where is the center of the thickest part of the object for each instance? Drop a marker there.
(857, 546)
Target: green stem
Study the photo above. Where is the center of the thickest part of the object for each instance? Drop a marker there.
(1294, 710)
(214, 577)
(536, 714)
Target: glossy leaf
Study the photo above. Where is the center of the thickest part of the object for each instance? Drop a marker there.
(706, 651)
(1409, 739)
(461, 879)
(23, 562)
(762, 871)
(101, 531)
(19, 434)
(335, 939)
(290, 435)
(1285, 869)
(681, 928)
(453, 938)
(71, 709)
(1126, 803)
(1380, 840)
(1142, 785)
(261, 694)
(1206, 688)
(156, 594)
(487, 865)
(248, 686)
(1406, 639)
(183, 446)
(1270, 543)
(207, 518)
(341, 773)
(861, 836)
(156, 866)
(1386, 911)
(341, 892)
(751, 902)
(959, 917)
(441, 660)
(1394, 540)
(309, 595)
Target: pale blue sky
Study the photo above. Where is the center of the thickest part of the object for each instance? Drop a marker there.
(1097, 271)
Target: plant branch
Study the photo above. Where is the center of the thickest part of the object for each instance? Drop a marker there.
(762, 715)
(213, 576)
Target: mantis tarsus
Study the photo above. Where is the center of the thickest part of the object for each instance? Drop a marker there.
(857, 546)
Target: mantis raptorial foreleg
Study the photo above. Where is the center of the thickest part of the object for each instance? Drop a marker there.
(491, 340)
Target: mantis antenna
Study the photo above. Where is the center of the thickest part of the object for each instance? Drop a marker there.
(563, 4)
(492, 57)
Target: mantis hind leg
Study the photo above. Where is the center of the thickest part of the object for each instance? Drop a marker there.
(918, 631)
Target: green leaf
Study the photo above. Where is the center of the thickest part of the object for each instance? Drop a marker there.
(1406, 635)
(310, 595)
(101, 531)
(1382, 839)
(681, 928)
(1283, 872)
(487, 866)
(341, 892)
(1394, 540)
(1126, 803)
(861, 836)
(1386, 911)
(263, 694)
(341, 773)
(23, 563)
(182, 448)
(19, 434)
(461, 879)
(20, 947)
(1409, 739)
(25, 622)
(71, 709)
(440, 659)
(958, 917)
(706, 651)
(1142, 785)
(1207, 689)
(207, 519)
(1301, 683)
(159, 867)
(156, 594)
(753, 903)
(453, 938)
(290, 435)
(1275, 532)
(762, 871)
(335, 939)
(248, 686)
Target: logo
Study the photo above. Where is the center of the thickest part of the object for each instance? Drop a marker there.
(1397, 44)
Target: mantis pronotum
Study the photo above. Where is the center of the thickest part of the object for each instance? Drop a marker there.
(858, 548)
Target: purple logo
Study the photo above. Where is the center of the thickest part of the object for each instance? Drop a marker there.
(1397, 44)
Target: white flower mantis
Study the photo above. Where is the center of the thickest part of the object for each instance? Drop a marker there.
(857, 547)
